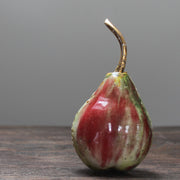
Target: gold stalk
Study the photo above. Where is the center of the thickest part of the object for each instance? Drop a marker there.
(123, 47)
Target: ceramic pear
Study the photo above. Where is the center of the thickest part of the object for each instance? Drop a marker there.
(113, 129)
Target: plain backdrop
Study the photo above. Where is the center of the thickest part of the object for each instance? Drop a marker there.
(55, 53)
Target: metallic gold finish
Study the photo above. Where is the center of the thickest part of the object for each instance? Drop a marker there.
(123, 47)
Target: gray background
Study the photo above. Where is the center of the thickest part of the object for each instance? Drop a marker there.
(54, 54)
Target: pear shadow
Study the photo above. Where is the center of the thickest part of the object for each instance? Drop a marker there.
(112, 173)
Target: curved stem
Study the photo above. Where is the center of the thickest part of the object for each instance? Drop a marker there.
(123, 47)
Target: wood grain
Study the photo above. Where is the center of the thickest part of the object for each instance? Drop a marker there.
(43, 153)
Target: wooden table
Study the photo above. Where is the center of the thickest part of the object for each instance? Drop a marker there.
(42, 153)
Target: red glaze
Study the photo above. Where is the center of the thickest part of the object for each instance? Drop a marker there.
(96, 129)
(104, 125)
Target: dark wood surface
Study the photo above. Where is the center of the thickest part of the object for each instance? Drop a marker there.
(42, 153)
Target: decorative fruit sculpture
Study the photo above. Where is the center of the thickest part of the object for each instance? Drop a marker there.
(112, 129)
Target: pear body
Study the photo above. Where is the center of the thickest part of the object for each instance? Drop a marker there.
(112, 129)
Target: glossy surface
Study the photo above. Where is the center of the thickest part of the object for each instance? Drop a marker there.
(112, 129)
